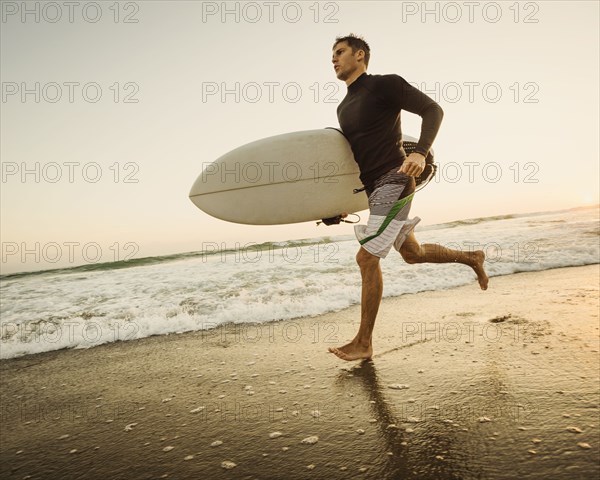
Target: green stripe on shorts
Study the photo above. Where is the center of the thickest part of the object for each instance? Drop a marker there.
(399, 205)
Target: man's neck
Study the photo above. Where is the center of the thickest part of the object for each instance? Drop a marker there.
(353, 77)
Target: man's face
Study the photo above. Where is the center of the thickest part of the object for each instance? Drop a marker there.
(344, 62)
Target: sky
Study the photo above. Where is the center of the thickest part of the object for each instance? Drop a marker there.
(110, 109)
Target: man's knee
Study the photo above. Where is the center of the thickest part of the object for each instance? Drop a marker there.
(412, 253)
(366, 259)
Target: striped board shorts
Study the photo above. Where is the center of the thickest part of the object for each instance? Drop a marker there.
(390, 198)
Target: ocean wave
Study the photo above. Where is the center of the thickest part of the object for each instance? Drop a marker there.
(81, 307)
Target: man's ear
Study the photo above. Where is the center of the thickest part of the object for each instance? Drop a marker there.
(360, 55)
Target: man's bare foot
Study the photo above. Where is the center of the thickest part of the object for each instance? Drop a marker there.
(353, 351)
(478, 259)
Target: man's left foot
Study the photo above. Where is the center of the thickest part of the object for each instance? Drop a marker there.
(352, 351)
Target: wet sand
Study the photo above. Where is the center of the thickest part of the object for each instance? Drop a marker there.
(464, 384)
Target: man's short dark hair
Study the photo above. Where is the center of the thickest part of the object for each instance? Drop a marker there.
(356, 43)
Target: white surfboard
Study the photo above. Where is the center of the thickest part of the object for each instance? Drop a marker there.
(290, 178)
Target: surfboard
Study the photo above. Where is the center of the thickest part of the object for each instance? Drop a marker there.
(290, 178)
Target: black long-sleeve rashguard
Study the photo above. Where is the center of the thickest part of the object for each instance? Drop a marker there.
(369, 116)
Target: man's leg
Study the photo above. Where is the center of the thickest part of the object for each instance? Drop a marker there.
(372, 289)
(413, 252)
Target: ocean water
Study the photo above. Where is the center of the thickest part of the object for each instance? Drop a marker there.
(90, 305)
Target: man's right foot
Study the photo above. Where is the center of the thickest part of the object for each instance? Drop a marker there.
(352, 351)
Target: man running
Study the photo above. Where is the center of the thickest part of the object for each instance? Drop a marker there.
(369, 116)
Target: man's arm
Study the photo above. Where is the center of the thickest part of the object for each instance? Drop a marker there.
(415, 162)
(431, 117)
(406, 97)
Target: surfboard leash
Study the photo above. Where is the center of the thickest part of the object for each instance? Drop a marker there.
(337, 220)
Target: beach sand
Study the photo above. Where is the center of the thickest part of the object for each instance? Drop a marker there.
(464, 384)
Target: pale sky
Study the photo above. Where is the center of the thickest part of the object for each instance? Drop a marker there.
(518, 84)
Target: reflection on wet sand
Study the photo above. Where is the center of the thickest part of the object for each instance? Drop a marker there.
(423, 459)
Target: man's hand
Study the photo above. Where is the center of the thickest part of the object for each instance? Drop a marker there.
(413, 165)
(334, 220)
